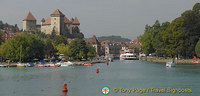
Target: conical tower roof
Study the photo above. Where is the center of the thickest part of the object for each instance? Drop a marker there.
(75, 21)
(29, 17)
(57, 13)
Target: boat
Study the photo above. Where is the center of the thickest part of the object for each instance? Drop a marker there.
(170, 63)
(41, 65)
(128, 56)
(21, 65)
(87, 64)
(53, 64)
(30, 64)
(64, 64)
(1, 65)
(20, 60)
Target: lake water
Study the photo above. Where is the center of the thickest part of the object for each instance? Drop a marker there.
(83, 80)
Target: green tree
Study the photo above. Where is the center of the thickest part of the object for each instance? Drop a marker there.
(60, 39)
(53, 34)
(91, 51)
(173, 37)
(4, 48)
(32, 47)
(77, 48)
(191, 28)
(50, 51)
(63, 49)
(196, 7)
(197, 49)
(157, 41)
(1, 38)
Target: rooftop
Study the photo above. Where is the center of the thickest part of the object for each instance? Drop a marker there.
(29, 17)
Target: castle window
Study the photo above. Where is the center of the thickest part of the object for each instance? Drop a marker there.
(54, 18)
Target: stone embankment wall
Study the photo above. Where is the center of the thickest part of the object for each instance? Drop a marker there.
(163, 60)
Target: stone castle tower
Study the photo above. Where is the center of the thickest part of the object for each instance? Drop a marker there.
(29, 23)
(57, 23)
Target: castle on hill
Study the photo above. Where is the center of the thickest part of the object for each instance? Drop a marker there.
(58, 23)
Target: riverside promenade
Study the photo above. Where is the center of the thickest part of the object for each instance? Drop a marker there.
(163, 60)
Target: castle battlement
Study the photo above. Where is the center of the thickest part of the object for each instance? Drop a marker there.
(58, 22)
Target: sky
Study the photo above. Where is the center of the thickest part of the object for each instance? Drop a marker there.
(126, 18)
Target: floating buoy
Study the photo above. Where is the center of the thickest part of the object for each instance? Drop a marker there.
(64, 88)
(107, 63)
(97, 71)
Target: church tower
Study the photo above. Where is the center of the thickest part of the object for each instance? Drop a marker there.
(57, 22)
(29, 23)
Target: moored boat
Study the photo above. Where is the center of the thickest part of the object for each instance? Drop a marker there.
(1, 65)
(64, 64)
(53, 64)
(30, 64)
(41, 65)
(170, 63)
(128, 56)
(87, 64)
(21, 65)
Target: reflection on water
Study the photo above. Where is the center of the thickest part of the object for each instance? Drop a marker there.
(83, 80)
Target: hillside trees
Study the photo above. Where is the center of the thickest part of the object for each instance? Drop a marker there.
(177, 39)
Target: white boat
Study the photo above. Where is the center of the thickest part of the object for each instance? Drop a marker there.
(170, 63)
(128, 56)
(64, 64)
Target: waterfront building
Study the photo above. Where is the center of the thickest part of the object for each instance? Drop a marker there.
(112, 49)
(95, 43)
(57, 23)
(136, 45)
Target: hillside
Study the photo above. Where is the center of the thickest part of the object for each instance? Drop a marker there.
(113, 39)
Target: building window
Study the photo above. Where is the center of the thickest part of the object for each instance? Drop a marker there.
(54, 22)
(54, 18)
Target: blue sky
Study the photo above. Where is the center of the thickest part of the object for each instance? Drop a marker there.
(126, 18)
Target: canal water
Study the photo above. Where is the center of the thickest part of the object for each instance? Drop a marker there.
(84, 81)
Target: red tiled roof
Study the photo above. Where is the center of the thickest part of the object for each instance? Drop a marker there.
(57, 12)
(29, 17)
(67, 20)
(135, 40)
(47, 21)
(107, 41)
(10, 35)
(75, 21)
(92, 40)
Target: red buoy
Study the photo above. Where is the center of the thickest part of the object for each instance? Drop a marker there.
(107, 63)
(64, 88)
(97, 71)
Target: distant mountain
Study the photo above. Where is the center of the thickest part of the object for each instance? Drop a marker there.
(113, 39)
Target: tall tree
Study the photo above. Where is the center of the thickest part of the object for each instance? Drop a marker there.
(60, 39)
(77, 48)
(32, 47)
(50, 50)
(197, 49)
